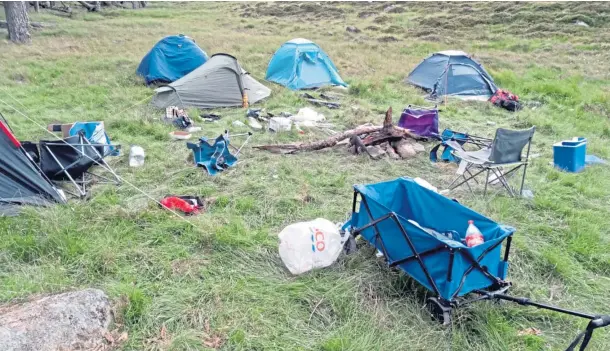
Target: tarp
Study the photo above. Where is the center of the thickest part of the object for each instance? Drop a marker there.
(220, 82)
(301, 64)
(453, 73)
(21, 183)
(170, 59)
(411, 201)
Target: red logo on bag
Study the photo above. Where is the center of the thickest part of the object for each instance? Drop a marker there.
(317, 240)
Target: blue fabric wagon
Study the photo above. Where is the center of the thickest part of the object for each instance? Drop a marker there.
(421, 232)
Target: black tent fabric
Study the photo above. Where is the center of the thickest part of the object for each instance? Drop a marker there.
(21, 183)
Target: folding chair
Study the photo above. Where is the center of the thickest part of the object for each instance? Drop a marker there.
(500, 160)
(70, 160)
(461, 138)
(215, 157)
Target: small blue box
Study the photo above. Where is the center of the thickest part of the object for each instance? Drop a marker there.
(569, 155)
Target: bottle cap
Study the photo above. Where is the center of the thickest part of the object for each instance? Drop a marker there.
(471, 222)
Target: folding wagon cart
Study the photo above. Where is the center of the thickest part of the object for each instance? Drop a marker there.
(422, 233)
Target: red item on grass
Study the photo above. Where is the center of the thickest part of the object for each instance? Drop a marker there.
(176, 203)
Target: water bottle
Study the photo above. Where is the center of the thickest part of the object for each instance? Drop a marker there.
(136, 156)
(473, 235)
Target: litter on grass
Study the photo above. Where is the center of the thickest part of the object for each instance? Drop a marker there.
(308, 245)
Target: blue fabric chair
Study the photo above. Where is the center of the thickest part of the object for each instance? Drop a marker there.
(214, 157)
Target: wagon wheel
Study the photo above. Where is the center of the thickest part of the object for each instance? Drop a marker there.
(439, 311)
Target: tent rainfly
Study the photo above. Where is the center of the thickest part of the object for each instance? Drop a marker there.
(453, 73)
(220, 82)
(170, 59)
(302, 64)
(21, 182)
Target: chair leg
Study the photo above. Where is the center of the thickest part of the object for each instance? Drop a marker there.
(451, 186)
(523, 180)
(504, 182)
(486, 181)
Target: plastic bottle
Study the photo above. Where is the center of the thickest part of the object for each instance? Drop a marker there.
(473, 235)
(136, 156)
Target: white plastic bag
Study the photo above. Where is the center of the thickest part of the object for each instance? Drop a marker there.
(308, 245)
(136, 156)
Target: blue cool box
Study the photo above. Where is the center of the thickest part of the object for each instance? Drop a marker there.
(569, 155)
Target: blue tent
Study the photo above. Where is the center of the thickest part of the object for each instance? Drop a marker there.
(301, 64)
(453, 73)
(170, 59)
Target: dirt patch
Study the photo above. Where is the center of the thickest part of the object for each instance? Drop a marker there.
(393, 29)
(19, 78)
(283, 9)
(387, 39)
(366, 14)
(382, 19)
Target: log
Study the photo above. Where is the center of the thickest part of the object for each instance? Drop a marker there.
(318, 145)
(89, 7)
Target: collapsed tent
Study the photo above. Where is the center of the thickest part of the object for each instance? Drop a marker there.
(220, 82)
(453, 73)
(301, 64)
(21, 182)
(170, 59)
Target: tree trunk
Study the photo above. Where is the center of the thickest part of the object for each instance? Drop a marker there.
(17, 21)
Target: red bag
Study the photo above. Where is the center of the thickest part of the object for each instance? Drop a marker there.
(187, 205)
(506, 100)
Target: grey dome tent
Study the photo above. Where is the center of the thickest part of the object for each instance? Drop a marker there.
(220, 82)
(453, 73)
(21, 182)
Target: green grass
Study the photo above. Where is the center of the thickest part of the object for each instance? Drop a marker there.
(224, 270)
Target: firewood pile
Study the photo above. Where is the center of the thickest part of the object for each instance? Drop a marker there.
(375, 141)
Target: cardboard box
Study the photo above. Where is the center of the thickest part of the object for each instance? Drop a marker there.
(64, 128)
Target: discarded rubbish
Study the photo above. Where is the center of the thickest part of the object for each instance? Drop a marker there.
(180, 135)
(239, 124)
(136, 156)
(216, 157)
(188, 205)
(425, 184)
(210, 117)
(308, 245)
(253, 123)
(193, 129)
(280, 124)
(594, 160)
(307, 116)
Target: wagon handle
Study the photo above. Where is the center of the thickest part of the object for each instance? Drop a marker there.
(596, 321)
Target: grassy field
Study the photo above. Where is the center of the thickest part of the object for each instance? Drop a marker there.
(220, 283)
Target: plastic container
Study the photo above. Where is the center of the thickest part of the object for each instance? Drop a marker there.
(180, 135)
(473, 235)
(570, 155)
(280, 124)
(136, 156)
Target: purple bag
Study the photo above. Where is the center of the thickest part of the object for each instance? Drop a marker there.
(422, 122)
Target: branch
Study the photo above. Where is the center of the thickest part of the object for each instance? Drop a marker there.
(89, 7)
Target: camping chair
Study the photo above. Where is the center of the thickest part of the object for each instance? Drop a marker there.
(215, 157)
(70, 160)
(505, 152)
(462, 139)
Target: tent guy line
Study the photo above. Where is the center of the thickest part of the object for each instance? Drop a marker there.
(97, 163)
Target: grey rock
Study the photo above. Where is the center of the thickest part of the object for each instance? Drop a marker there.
(418, 147)
(76, 320)
(405, 149)
(352, 29)
(394, 9)
(581, 23)
(376, 152)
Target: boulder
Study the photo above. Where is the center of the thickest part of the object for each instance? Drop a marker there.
(76, 320)
(418, 147)
(405, 149)
(376, 152)
(352, 29)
